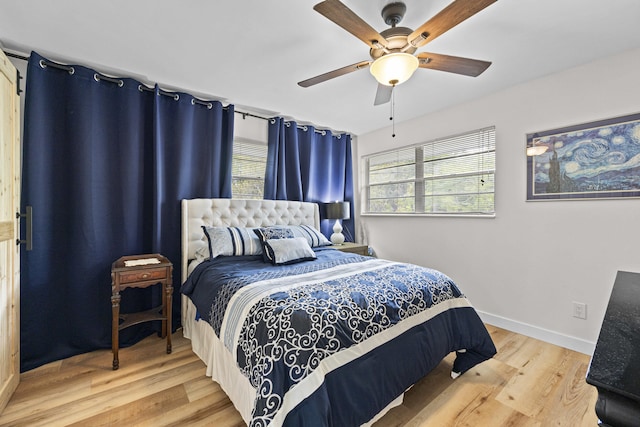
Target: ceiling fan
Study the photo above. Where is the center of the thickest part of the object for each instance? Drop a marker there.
(392, 51)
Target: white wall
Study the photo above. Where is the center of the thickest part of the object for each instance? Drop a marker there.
(252, 128)
(523, 269)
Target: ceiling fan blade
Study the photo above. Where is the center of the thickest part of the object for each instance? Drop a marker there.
(452, 64)
(447, 18)
(383, 94)
(335, 73)
(336, 11)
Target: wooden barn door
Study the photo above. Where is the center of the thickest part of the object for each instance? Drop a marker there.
(9, 231)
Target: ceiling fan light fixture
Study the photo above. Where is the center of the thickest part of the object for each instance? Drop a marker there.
(394, 68)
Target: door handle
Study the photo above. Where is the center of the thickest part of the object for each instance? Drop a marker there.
(29, 226)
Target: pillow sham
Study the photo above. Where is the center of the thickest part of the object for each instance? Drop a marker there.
(202, 253)
(288, 251)
(271, 233)
(232, 241)
(313, 237)
(275, 232)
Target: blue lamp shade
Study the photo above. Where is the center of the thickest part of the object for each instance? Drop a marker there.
(337, 211)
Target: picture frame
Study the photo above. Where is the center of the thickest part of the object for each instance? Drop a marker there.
(594, 160)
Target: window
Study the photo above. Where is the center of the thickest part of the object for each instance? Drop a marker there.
(453, 175)
(247, 169)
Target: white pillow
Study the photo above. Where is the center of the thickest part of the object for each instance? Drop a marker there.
(288, 251)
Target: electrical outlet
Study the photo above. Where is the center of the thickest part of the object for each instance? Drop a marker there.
(579, 310)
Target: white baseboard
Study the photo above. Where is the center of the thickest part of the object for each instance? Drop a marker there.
(566, 341)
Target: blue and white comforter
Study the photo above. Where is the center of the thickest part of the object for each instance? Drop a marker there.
(333, 341)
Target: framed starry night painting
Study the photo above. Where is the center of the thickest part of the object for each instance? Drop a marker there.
(589, 161)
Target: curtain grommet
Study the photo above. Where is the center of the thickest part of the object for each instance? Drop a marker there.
(97, 77)
(67, 68)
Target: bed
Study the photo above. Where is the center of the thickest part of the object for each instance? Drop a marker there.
(326, 338)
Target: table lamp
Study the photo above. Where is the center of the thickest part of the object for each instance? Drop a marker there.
(337, 211)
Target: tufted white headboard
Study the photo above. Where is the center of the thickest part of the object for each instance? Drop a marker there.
(238, 213)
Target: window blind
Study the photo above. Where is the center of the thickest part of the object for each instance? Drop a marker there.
(452, 175)
(247, 170)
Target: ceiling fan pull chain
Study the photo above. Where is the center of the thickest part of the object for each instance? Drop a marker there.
(393, 112)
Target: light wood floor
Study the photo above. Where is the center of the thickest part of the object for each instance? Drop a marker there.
(528, 383)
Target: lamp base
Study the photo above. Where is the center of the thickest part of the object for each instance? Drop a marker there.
(337, 238)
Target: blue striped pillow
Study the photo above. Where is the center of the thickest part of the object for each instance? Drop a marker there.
(232, 241)
(314, 237)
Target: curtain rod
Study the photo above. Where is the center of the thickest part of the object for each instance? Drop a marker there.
(303, 127)
(244, 115)
(15, 55)
(141, 87)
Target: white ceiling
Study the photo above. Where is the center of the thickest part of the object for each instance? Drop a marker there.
(252, 53)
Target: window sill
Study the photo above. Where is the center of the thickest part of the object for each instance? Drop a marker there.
(449, 215)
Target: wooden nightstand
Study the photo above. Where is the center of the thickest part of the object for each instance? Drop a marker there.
(140, 271)
(356, 248)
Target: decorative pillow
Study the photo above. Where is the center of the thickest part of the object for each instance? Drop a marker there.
(202, 253)
(275, 232)
(271, 233)
(314, 237)
(288, 251)
(232, 241)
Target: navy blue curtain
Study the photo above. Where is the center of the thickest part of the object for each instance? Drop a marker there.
(304, 164)
(192, 151)
(105, 163)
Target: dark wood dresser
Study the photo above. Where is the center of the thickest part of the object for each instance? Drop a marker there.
(615, 365)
